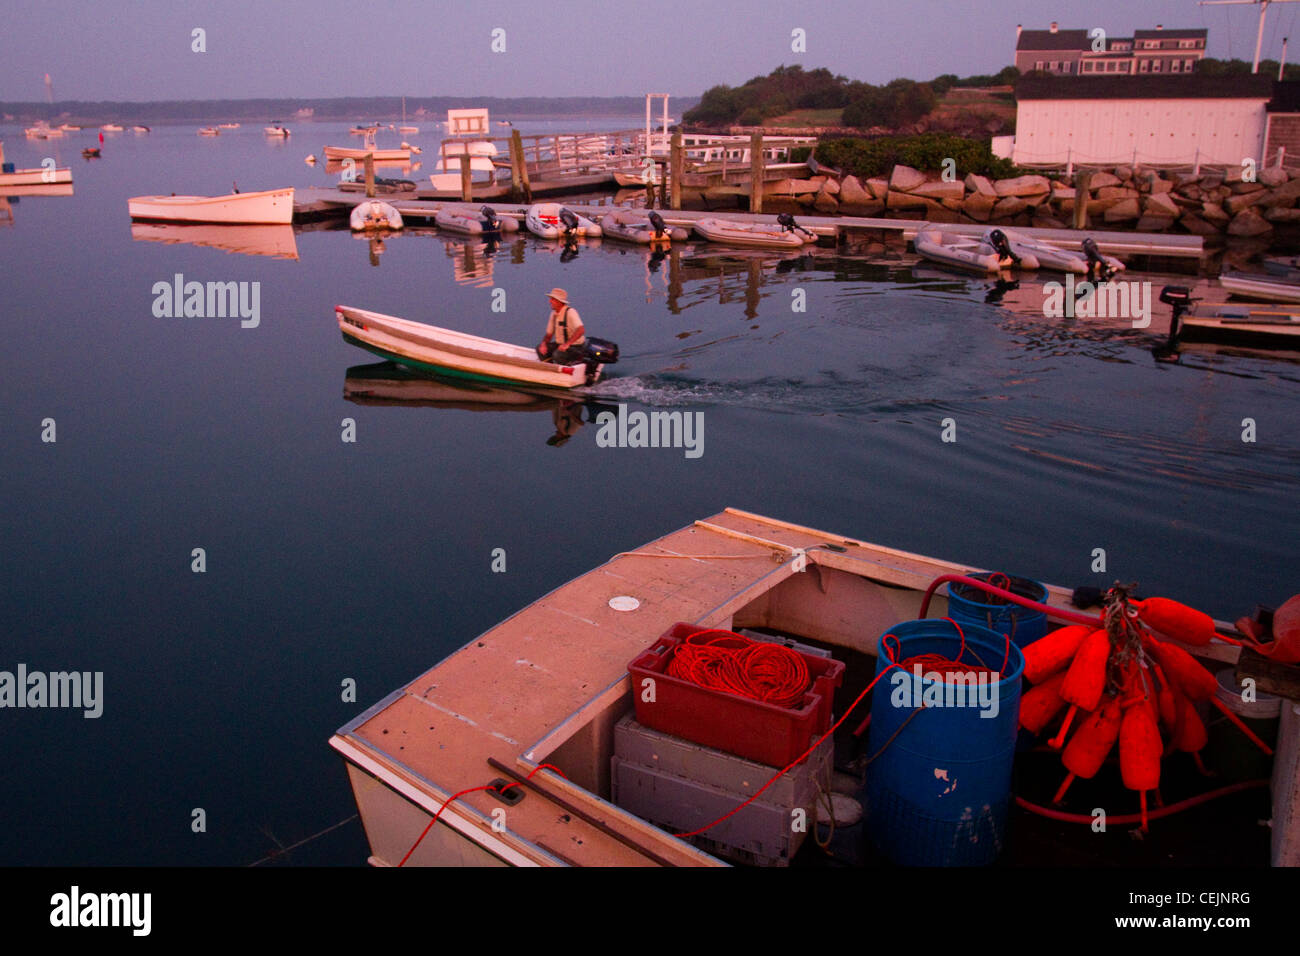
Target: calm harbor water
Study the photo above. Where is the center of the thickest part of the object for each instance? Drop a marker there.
(369, 561)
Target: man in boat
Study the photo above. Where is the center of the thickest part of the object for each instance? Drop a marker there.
(565, 336)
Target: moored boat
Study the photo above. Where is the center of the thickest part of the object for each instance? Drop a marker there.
(1047, 256)
(484, 222)
(209, 131)
(111, 128)
(269, 206)
(644, 229)
(40, 176)
(550, 220)
(964, 252)
(779, 235)
(1261, 288)
(429, 348)
(141, 129)
(1269, 326)
(381, 155)
(276, 131)
(374, 214)
(228, 125)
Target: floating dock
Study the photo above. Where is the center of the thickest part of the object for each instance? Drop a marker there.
(323, 203)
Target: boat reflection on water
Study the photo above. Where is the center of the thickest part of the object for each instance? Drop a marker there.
(387, 383)
(276, 241)
(472, 260)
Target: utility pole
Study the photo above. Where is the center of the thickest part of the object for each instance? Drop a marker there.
(1263, 9)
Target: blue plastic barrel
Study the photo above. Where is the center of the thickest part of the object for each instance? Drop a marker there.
(969, 605)
(938, 791)
(6, 168)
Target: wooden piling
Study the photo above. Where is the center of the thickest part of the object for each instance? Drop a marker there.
(520, 163)
(1081, 180)
(516, 161)
(756, 170)
(466, 184)
(370, 175)
(677, 165)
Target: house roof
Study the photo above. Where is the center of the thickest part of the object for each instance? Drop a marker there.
(1170, 34)
(1286, 97)
(1060, 40)
(1141, 87)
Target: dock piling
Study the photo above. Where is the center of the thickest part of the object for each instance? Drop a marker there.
(370, 175)
(757, 169)
(1081, 199)
(466, 184)
(677, 166)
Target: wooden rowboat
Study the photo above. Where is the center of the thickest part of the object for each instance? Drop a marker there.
(37, 177)
(380, 155)
(1277, 326)
(271, 206)
(457, 354)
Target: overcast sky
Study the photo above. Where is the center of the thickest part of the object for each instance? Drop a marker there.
(141, 49)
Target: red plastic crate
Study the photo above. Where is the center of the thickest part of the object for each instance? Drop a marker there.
(742, 726)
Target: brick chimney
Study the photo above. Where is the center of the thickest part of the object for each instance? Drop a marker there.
(1019, 27)
(1054, 26)
(1160, 26)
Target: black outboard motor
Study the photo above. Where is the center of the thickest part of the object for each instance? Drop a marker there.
(597, 352)
(786, 222)
(656, 220)
(1179, 299)
(490, 221)
(570, 222)
(1002, 246)
(1098, 268)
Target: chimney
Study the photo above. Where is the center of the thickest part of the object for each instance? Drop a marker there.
(1160, 26)
(1019, 27)
(1054, 26)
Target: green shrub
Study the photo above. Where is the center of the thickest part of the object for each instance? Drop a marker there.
(866, 158)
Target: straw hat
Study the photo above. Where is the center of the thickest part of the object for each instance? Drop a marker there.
(559, 295)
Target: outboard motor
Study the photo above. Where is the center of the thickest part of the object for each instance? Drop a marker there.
(786, 222)
(1179, 299)
(598, 352)
(490, 221)
(1002, 246)
(570, 221)
(1098, 268)
(656, 220)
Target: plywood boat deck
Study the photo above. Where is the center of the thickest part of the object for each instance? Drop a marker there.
(553, 677)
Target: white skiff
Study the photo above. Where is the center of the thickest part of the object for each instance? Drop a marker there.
(271, 206)
(37, 177)
(433, 349)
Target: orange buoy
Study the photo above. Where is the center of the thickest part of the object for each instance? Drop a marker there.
(1193, 679)
(1041, 703)
(1087, 749)
(1191, 736)
(1086, 678)
(1176, 620)
(1166, 702)
(1053, 652)
(1140, 748)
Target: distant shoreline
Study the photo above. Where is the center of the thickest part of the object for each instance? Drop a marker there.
(325, 110)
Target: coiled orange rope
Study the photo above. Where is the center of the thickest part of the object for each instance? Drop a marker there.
(737, 665)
